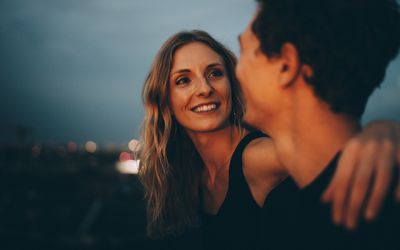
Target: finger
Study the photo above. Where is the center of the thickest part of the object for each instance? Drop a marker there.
(341, 181)
(398, 173)
(384, 170)
(359, 189)
(328, 194)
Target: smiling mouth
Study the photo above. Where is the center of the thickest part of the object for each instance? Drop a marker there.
(205, 107)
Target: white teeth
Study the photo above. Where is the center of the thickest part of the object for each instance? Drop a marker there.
(205, 108)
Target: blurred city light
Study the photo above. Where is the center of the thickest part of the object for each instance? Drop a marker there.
(90, 147)
(125, 156)
(128, 167)
(133, 145)
(72, 147)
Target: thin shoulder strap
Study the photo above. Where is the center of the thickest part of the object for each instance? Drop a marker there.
(236, 176)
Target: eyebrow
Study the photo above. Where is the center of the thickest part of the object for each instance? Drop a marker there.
(180, 71)
(187, 70)
(213, 65)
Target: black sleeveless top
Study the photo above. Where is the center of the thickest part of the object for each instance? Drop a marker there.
(236, 225)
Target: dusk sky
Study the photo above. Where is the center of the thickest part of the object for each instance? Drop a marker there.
(72, 70)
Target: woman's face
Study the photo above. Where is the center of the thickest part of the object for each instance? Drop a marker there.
(200, 92)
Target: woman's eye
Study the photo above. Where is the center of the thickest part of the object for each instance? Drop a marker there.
(182, 80)
(216, 73)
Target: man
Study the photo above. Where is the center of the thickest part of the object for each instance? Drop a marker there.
(309, 66)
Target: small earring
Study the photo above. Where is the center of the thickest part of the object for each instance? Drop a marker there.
(234, 116)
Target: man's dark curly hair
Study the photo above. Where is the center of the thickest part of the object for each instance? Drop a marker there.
(347, 43)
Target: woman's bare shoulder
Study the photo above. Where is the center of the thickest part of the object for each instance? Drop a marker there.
(260, 157)
(261, 168)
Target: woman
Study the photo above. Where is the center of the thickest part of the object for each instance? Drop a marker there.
(196, 156)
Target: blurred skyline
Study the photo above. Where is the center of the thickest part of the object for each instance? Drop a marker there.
(73, 70)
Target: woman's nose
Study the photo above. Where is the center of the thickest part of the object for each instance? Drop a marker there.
(204, 88)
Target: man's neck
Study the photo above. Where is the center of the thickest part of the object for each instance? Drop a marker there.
(308, 137)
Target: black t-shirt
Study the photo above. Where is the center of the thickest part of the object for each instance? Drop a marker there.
(297, 219)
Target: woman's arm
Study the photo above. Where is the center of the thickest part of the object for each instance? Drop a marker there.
(364, 173)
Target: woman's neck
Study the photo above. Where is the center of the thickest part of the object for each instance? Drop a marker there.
(216, 148)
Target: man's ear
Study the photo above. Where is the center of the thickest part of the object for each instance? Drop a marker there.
(290, 64)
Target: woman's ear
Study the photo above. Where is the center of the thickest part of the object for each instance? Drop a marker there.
(290, 64)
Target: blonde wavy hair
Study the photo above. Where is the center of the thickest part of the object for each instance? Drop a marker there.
(170, 167)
